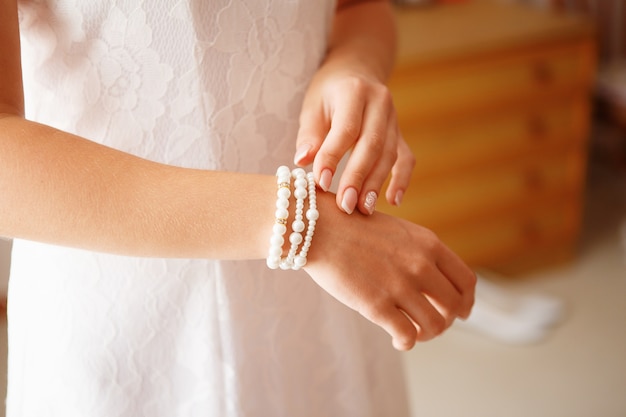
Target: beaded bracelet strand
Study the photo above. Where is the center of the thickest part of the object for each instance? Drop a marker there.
(295, 238)
(283, 179)
(312, 214)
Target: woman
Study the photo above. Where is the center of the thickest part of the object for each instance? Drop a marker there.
(140, 189)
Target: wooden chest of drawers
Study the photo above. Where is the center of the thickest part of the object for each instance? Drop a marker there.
(494, 100)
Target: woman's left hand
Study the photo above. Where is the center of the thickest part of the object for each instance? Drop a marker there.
(348, 111)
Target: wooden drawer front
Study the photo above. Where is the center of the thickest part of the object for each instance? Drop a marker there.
(488, 242)
(436, 91)
(471, 143)
(447, 202)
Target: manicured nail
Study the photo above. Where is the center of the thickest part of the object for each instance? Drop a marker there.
(348, 203)
(301, 153)
(398, 198)
(370, 201)
(326, 179)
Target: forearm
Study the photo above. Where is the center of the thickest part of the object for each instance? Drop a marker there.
(62, 189)
(364, 38)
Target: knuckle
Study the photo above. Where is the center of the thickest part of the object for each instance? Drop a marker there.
(359, 85)
(438, 325)
(355, 83)
(375, 142)
(330, 157)
(355, 178)
(350, 130)
(430, 241)
(419, 266)
(385, 95)
(391, 156)
(375, 311)
(456, 306)
(409, 159)
(401, 287)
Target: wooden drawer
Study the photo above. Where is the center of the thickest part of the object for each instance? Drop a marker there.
(438, 91)
(448, 202)
(545, 231)
(478, 141)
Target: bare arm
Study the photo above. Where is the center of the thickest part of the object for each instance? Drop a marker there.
(364, 34)
(63, 189)
(59, 188)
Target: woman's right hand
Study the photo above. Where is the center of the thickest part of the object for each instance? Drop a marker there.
(395, 273)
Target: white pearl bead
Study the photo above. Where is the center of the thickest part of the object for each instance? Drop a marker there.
(300, 183)
(298, 173)
(275, 251)
(273, 262)
(299, 261)
(300, 193)
(297, 226)
(282, 203)
(312, 214)
(295, 238)
(282, 213)
(282, 171)
(279, 229)
(277, 240)
(284, 193)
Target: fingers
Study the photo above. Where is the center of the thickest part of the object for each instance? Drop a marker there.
(400, 173)
(427, 301)
(357, 117)
(347, 114)
(372, 158)
(312, 132)
(461, 277)
(414, 317)
(386, 315)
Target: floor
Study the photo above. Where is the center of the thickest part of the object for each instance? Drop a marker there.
(578, 371)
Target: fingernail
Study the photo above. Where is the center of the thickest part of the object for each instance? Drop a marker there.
(398, 198)
(370, 201)
(301, 153)
(326, 179)
(348, 203)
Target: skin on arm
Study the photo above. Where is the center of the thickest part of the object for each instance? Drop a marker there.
(348, 108)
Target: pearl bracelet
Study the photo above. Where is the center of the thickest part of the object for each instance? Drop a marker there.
(302, 181)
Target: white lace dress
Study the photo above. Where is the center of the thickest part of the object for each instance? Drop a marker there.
(196, 83)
